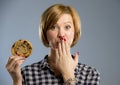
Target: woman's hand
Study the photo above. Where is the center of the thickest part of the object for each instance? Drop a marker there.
(65, 63)
(13, 67)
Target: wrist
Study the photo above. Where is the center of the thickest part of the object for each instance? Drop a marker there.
(68, 76)
(70, 81)
(18, 82)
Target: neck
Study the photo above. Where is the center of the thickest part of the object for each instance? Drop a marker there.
(52, 62)
(52, 56)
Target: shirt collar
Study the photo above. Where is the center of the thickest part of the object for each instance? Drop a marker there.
(44, 63)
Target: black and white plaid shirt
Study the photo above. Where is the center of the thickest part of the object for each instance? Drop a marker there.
(41, 74)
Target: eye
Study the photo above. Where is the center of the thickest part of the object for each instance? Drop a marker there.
(53, 27)
(67, 27)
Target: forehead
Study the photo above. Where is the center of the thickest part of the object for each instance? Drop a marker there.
(65, 18)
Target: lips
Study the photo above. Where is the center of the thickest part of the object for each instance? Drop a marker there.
(60, 39)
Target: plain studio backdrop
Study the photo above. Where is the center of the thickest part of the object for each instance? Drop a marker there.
(99, 45)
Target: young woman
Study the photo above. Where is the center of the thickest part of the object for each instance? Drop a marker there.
(60, 29)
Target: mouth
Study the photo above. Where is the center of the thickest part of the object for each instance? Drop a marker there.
(62, 38)
(59, 40)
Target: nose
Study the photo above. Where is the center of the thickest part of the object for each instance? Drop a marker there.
(61, 33)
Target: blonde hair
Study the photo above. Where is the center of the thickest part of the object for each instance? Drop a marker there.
(51, 16)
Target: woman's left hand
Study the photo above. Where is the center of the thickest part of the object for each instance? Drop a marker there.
(65, 63)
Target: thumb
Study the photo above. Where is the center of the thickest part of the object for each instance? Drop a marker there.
(76, 57)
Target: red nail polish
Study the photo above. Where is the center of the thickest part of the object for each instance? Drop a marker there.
(56, 47)
(61, 38)
(64, 39)
(78, 53)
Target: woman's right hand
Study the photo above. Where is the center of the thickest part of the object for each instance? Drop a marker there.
(13, 67)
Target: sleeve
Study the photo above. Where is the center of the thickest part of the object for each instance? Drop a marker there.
(23, 77)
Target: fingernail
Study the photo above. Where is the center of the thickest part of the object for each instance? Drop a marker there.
(78, 53)
(22, 57)
(56, 47)
(64, 39)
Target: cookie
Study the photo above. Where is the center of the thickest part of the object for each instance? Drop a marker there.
(22, 48)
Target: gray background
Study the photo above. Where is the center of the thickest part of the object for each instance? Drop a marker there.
(99, 45)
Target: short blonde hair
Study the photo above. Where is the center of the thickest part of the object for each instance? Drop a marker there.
(51, 16)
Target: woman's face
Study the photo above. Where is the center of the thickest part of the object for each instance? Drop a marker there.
(63, 28)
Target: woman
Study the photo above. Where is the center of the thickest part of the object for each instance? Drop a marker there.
(60, 29)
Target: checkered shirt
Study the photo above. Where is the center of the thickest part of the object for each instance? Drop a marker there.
(40, 73)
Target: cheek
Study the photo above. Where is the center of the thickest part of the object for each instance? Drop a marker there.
(51, 36)
(70, 36)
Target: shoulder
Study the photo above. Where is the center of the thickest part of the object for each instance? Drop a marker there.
(86, 67)
(88, 71)
(87, 74)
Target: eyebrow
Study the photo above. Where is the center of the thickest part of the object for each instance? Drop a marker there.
(68, 22)
(64, 22)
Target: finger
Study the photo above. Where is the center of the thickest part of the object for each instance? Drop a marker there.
(57, 55)
(20, 62)
(16, 65)
(12, 60)
(67, 48)
(63, 47)
(59, 49)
